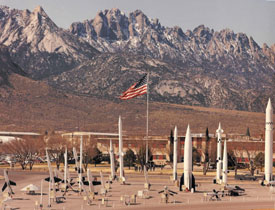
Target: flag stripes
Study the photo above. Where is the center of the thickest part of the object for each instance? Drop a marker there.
(136, 89)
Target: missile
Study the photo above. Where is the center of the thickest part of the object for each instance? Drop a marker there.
(80, 165)
(219, 132)
(120, 148)
(175, 154)
(268, 142)
(65, 168)
(112, 160)
(8, 183)
(188, 160)
(76, 159)
(102, 180)
(225, 163)
(51, 180)
(90, 180)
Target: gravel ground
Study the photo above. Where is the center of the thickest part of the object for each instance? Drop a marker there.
(256, 196)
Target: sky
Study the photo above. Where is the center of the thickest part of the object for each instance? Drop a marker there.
(256, 18)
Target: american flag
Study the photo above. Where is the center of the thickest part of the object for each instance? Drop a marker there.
(137, 89)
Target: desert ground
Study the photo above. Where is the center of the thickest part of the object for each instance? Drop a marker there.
(255, 197)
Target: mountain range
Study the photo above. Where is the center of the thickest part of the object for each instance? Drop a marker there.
(103, 56)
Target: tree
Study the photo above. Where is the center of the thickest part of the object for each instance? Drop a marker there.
(196, 157)
(129, 158)
(56, 147)
(95, 155)
(259, 160)
(206, 161)
(236, 153)
(171, 152)
(25, 150)
(247, 132)
(251, 151)
(141, 156)
(233, 161)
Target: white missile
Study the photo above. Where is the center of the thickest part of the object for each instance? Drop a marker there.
(8, 183)
(219, 132)
(120, 148)
(225, 163)
(268, 141)
(90, 180)
(102, 180)
(51, 180)
(175, 160)
(65, 169)
(188, 160)
(80, 165)
(76, 159)
(112, 160)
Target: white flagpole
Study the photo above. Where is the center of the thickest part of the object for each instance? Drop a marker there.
(147, 120)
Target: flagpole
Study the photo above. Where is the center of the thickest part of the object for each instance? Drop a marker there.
(147, 120)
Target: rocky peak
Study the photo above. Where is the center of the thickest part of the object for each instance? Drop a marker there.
(39, 10)
(269, 52)
(3, 11)
(253, 45)
(34, 33)
(118, 23)
(112, 31)
(139, 20)
(226, 35)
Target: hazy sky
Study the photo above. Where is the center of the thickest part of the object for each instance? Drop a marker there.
(256, 18)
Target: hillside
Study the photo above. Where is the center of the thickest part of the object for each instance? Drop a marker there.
(109, 74)
(34, 106)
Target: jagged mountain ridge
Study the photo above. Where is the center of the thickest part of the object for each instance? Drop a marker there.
(108, 75)
(38, 45)
(222, 69)
(112, 31)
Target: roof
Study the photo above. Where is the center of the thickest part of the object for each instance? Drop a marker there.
(8, 133)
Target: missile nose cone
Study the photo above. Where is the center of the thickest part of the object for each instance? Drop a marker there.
(269, 106)
(188, 132)
(176, 132)
(219, 130)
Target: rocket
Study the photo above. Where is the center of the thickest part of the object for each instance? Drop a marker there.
(76, 159)
(268, 141)
(65, 168)
(225, 163)
(90, 180)
(120, 145)
(219, 132)
(188, 159)
(80, 165)
(175, 154)
(102, 180)
(112, 160)
(51, 180)
(7, 183)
